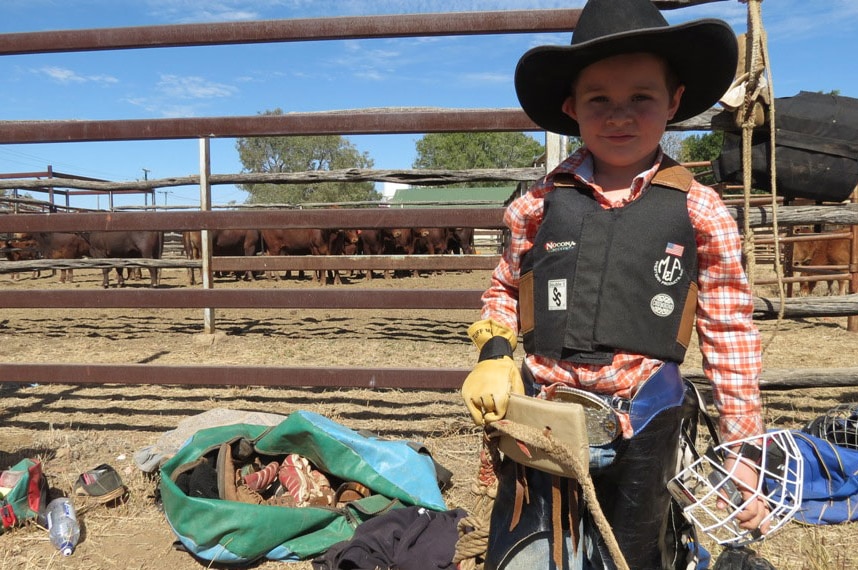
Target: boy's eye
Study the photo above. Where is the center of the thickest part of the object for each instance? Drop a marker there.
(641, 97)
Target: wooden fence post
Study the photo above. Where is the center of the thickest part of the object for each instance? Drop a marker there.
(205, 235)
(852, 321)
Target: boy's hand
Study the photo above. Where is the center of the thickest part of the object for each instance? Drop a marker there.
(752, 515)
(487, 388)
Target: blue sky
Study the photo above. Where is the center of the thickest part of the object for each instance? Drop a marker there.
(811, 46)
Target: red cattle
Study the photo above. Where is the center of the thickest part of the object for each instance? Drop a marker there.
(22, 247)
(61, 245)
(224, 242)
(372, 243)
(461, 240)
(345, 242)
(819, 254)
(193, 246)
(125, 244)
(299, 242)
(398, 241)
(432, 241)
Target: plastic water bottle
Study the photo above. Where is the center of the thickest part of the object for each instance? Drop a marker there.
(63, 527)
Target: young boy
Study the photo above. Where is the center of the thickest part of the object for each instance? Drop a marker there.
(612, 256)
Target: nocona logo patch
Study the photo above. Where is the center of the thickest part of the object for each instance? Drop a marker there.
(555, 246)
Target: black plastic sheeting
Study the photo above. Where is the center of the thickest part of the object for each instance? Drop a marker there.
(816, 149)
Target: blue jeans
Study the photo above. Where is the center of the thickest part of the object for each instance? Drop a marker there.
(537, 554)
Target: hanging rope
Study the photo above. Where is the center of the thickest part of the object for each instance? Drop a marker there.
(757, 63)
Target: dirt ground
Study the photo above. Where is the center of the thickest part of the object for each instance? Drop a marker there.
(72, 428)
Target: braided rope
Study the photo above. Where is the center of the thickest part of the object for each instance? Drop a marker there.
(474, 529)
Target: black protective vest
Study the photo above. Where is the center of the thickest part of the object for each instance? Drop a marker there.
(599, 280)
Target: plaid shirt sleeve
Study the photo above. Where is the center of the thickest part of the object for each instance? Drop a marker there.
(522, 217)
(729, 340)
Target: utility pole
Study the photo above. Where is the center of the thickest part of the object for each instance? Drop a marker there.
(146, 177)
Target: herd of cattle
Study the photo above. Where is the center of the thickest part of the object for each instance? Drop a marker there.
(403, 241)
(150, 244)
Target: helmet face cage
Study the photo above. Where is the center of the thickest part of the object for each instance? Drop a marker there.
(700, 486)
(840, 426)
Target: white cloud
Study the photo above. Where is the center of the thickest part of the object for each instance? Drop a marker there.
(193, 87)
(487, 77)
(66, 76)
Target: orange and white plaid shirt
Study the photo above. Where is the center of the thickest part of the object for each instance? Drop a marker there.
(729, 340)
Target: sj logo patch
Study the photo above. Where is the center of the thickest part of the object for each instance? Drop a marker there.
(668, 270)
(556, 294)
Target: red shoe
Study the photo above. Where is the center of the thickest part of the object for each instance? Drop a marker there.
(321, 494)
(295, 477)
(262, 479)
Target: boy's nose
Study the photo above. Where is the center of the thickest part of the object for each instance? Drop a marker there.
(619, 114)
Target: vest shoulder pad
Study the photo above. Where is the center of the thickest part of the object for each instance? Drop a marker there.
(673, 175)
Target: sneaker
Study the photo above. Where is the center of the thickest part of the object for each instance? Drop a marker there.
(306, 485)
(294, 475)
(321, 494)
(262, 479)
(103, 484)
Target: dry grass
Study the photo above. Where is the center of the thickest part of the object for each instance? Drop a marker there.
(72, 428)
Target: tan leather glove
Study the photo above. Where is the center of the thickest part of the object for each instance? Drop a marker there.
(487, 388)
(482, 331)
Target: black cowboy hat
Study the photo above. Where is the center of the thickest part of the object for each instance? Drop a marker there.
(702, 53)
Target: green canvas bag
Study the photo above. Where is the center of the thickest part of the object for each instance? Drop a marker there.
(234, 532)
(26, 496)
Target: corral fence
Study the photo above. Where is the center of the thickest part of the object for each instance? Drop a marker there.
(361, 121)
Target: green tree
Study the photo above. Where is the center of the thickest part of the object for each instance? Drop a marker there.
(465, 151)
(696, 148)
(702, 148)
(303, 154)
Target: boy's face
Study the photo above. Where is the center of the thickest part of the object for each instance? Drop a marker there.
(622, 105)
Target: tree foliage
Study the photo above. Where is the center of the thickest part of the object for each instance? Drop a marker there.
(302, 154)
(702, 148)
(465, 151)
(696, 148)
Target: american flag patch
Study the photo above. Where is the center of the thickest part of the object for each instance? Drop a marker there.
(674, 249)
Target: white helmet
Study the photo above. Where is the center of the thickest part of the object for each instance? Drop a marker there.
(699, 486)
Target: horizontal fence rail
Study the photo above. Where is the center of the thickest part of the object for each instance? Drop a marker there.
(358, 218)
(334, 377)
(187, 298)
(272, 263)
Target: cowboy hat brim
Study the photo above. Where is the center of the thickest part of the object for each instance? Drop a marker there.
(702, 53)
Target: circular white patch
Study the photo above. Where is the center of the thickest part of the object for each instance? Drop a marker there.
(662, 305)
